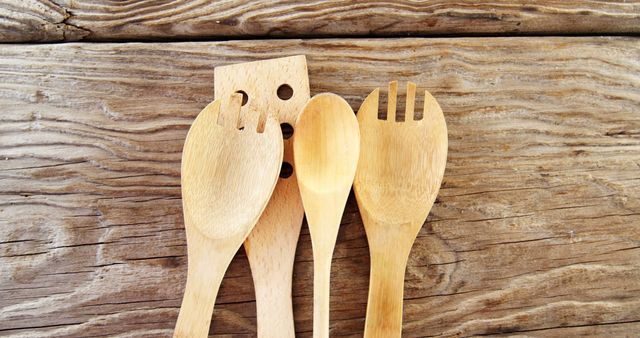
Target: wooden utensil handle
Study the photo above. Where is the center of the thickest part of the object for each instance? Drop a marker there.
(275, 318)
(204, 275)
(386, 289)
(321, 294)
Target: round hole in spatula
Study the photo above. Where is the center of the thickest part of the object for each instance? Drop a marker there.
(287, 130)
(245, 97)
(286, 170)
(285, 92)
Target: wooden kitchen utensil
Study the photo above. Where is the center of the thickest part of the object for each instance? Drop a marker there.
(326, 148)
(281, 88)
(227, 178)
(399, 174)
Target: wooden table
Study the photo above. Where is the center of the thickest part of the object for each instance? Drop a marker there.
(536, 231)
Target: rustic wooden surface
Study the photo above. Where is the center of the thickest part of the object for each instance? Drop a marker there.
(100, 20)
(536, 230)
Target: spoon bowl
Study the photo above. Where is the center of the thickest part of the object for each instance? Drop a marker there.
(328, 143)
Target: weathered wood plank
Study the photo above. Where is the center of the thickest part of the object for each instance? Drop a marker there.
(536, 229)
(100, 20)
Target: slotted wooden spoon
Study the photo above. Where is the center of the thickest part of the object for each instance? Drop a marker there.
(399, 174)
(227, 178)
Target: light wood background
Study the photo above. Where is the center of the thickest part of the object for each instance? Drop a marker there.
(101, 20)
(536, 231)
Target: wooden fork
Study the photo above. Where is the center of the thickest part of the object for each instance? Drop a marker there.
(227, 178)
(398, 177)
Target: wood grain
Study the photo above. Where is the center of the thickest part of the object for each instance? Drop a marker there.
(105, 20)
(536, 229)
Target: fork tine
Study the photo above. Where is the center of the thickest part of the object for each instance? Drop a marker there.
(392, 101)
(369, 108)
(262, 121)
(252, 121)
(410, 101)
(230, 111)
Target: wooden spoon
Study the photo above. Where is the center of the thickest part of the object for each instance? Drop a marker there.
(228, 176)
(325, 149)
(399, 174)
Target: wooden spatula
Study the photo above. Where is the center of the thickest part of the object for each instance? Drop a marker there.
(227, 178)
(281, 88)
(399, 174)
